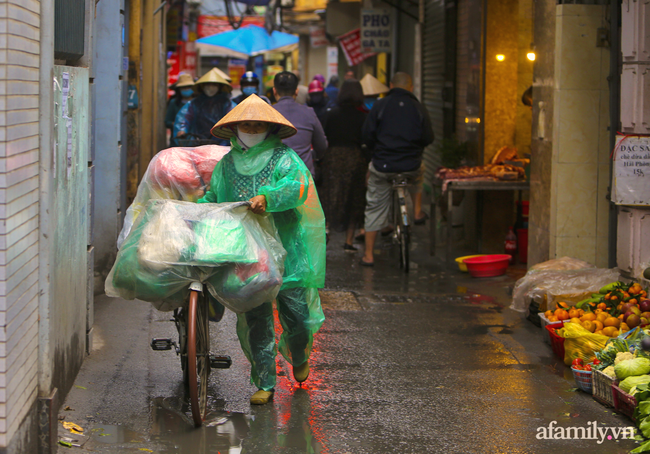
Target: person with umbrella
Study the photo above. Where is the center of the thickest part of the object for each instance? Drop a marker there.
(261, 169)
(195, 118)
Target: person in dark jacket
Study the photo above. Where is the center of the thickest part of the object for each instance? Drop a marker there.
(396, 131)
(343, 189)
(317, 99)
(250, 84)
(197, 117)
(183, 93)
(332, 90)
(310, 142)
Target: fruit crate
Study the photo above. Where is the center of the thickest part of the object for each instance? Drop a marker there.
(557, 342)
(583, 379)
(543, 322)
(602, 387)
(623, 402)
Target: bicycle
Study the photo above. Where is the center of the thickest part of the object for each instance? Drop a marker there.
(401, 221)
(193, 347)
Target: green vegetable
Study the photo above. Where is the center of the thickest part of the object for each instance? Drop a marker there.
(643, 409)
(609, 287)
(623, 356)
(632, 368)
(609, 371)
(644, 427)
(630, 382)
(645, 447)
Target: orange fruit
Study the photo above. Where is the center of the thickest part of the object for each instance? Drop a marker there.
(547, 314)
(576, 320)
(598, 311)
(599, 331)
(561, 305)
(574, 313)
(602, 316)
(582, 312)
(609, 330)
(615, 333)
(614, 298)
(589, 326)
(561, 314)
(619, 307)
(589, 316)
(612, 321)
(602, 306)
(552, 318)
(633, 301)
(624, 328)
(599, 324)
(620, 317)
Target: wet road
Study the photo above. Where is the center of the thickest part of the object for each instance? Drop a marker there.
(432, 362)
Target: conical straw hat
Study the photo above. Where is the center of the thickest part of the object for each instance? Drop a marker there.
(184, 80)
(223, 74)
(214, 76)
(252, 108)
(371, 86)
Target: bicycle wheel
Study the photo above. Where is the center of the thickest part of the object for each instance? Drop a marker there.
(402, 233)
(198, 361)
(180, 320)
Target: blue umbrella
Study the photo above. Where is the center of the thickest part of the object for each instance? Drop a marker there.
(250, 40)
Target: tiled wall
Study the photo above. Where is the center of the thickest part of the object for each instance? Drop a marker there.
(19, 158)
(580, 159)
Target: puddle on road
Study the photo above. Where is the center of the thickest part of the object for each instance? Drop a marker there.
(267, 429)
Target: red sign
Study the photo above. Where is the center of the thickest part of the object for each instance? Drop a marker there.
(211, 25)
(351, 45)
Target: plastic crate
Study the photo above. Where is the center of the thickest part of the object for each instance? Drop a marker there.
(583, 379)
(623, 402)
(543, 322)
(602, 388)
(557, 342)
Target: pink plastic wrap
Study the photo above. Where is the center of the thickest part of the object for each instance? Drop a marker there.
(174, 173)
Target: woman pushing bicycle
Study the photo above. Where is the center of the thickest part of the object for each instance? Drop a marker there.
(261, 169)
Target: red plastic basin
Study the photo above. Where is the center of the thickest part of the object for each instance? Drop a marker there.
(488, 265)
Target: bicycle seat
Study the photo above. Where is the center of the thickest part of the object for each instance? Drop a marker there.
(401, 180)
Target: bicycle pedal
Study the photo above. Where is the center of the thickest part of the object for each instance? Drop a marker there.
(220, 361)
(159, 344)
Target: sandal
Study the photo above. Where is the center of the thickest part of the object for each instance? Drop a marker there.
(421, 220)
(362, 262)
(349, 248)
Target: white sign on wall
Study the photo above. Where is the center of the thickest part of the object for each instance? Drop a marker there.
(375, 30)
(632, 171)
(332, 61)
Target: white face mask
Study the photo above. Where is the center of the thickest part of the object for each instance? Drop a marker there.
(250, 140)
(210, 90)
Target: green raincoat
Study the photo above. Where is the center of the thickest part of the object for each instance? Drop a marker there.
(272, 169)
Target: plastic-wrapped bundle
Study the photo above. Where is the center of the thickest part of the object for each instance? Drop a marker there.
(173, 243)
(177, 174)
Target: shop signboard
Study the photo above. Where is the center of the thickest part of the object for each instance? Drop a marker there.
(375, 30)
(271, 71)
(632, 170)
(211, 25)
(351, 46)
(236, 69)
(317, 37)
(332, 61)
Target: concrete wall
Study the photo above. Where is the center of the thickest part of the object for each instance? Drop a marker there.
(580, 162)
(542, 132)
(110, 136)
(19, 220)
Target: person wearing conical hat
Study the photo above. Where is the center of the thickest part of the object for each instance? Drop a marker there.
(261, 169)
(372, 88)
(195, 118)
(183, 93)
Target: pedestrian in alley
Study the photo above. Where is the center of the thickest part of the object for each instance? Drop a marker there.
(344, 167)
(263, 170)
(250, 84)
(317, 99)
(332, 90)
(396, 131)
(372, 88)
(309, 142)
(183, 93)
(195, 118)
(303, 90)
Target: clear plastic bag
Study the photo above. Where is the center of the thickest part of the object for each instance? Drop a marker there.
(166, 250)
(177, 174)
(560, 281)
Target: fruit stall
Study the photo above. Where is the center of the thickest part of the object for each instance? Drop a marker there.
(605, 340)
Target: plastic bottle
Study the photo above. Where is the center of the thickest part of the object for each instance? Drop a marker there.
(511, 245)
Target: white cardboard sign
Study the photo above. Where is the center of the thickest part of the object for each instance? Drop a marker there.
(632, 171)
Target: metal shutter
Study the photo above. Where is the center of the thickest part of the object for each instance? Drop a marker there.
(433, 76)
(69, 22)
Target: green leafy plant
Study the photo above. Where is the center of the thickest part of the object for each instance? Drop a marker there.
(452, 152)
